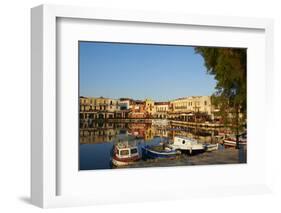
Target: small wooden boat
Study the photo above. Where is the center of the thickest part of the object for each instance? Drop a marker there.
(159, 151)
(125, 154)
(231, 140)
(187, 144)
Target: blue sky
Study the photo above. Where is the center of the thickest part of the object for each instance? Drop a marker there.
(139, 71)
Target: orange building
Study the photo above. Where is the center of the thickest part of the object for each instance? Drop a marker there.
(137, 109)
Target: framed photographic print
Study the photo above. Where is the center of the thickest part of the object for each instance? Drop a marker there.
(131, 105)
(150, 105)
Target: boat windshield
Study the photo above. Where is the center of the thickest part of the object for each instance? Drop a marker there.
(124, 152)
(134, 151)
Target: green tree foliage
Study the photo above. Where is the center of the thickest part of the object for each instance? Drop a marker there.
(229, 67)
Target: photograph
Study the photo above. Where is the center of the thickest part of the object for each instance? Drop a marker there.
(161, 105)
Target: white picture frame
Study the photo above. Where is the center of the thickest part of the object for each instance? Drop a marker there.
(45, 179)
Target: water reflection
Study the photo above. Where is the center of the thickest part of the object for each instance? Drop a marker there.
(100, 132)
(98, 138)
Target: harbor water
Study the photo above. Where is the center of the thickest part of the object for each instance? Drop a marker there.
(98, 138)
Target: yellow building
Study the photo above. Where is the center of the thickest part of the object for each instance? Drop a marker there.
(192, 104)
(149, 107)
(102, 108)
(105, 104)
(161, 109)
(86, 103)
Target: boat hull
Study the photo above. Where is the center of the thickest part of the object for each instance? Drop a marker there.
(193, 151)
(228, 142)
(189, 149)
(119, 162)
(149, 153)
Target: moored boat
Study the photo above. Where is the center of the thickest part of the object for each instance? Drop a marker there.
(159, 151)
(125, 154)
(187, 144)
(232, 141)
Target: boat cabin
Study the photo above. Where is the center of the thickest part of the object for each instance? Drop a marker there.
(123, 150)
(184, 143)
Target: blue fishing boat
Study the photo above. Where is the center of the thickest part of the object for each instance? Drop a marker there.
(159, 151)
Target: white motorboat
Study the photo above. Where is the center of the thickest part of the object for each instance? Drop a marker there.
(187, 144)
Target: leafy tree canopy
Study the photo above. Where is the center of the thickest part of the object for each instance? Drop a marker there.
(229, 67)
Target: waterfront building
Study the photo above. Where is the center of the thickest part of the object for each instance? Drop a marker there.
(137, 109)
(192, 104)
(183, 108)
(124, 108)
(86, 103)
(106, 104)
(149, 107)
(86, 107)
(161, 110)
(124, 103)
(98, 108)
(178, 109)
